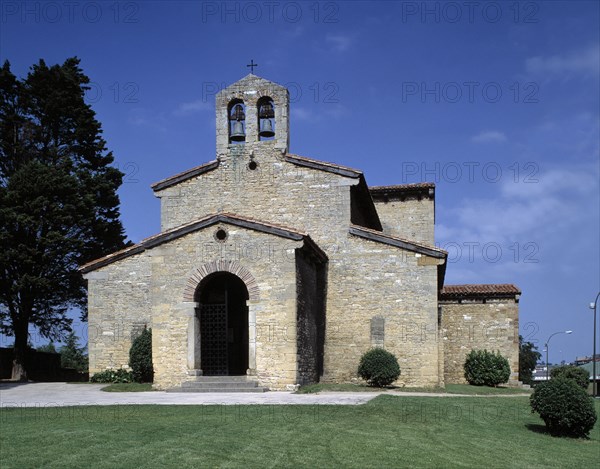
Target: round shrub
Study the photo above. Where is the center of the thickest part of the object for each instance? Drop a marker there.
(580, 375)
(379, 367)
(112, 376)
(486, 368)
(140, 358)
(565, 408)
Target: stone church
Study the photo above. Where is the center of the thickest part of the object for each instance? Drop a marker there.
(273, 270)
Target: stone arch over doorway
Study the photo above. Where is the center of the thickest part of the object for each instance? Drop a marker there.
(232, 267)
(190, 304)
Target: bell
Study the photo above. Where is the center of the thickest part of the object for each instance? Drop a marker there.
(238, 113)
(266, 111)
(237, 132)
(266, 129)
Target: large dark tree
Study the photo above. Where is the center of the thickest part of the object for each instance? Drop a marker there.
(528, 358)
(58, 202)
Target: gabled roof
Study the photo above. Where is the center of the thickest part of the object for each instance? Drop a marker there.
(185, 175)
(413, 246)
(294, 159)
(455, 292)
(323, 166)
(178, 232)
(360, 193)
(253, 79)
(404, 187)
(403, 191)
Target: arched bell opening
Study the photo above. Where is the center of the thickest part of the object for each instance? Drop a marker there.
(236, 113)
(223, 315)
(266, 118)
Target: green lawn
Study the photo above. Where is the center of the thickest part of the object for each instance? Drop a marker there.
(390, 431)
(343, 387)
(449, 389)
(483, 390)
(128, 387)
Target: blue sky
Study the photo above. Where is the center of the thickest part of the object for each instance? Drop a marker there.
(496, 102)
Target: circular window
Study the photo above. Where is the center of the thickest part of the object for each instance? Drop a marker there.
(221, 234)
(252, 165)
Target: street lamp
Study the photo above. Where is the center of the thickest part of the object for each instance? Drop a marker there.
(594, 306)
(552, 335)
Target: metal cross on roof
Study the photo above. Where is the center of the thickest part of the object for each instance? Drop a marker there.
(252, 65)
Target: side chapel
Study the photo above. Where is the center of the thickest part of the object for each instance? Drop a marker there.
(273, 270)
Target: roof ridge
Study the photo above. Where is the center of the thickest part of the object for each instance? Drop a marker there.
(261, 222)
(181, 230)
(183, 175)
(480, 289)
(328, 164)
(398, 238)
(412, 185)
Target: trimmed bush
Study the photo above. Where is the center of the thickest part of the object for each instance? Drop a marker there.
(580, 375)
(483, 368)
(112, 376)
(565, 408)
(140, 358)
(379, 367)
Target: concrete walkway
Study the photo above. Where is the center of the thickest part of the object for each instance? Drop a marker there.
(63, 394)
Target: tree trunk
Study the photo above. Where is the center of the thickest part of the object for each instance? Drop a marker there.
(19, 373)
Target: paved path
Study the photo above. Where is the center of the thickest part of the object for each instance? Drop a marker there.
(63, 394)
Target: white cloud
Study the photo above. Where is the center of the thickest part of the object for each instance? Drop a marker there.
(489, 136)
(141, 117)
(339, 42)
(322, 112)
(294, 33)
(543, 211)
(583, 62)
(522, 228)
(192, 106)
(301, 113)
(335, 110)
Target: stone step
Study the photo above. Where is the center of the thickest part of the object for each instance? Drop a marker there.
(208, 379)
(220, 390)
(219, 384)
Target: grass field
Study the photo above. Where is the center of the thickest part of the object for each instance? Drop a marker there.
(390, 431)
(128, 387)
(449, 389)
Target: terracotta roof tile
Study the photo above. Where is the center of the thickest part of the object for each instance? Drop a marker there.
(395, 240)
(403, 187)
(200, 223)
(479, 290)
(324, 165)
(184, 175)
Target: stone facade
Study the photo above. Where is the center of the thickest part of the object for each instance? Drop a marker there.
(407, 211)
(329, 267)
(477, 317)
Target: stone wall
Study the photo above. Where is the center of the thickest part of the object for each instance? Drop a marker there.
(272, 315)
(491, 324)
(369, 279)
(310, 200)
(150, 288)
(410, 219)
(118, 307)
